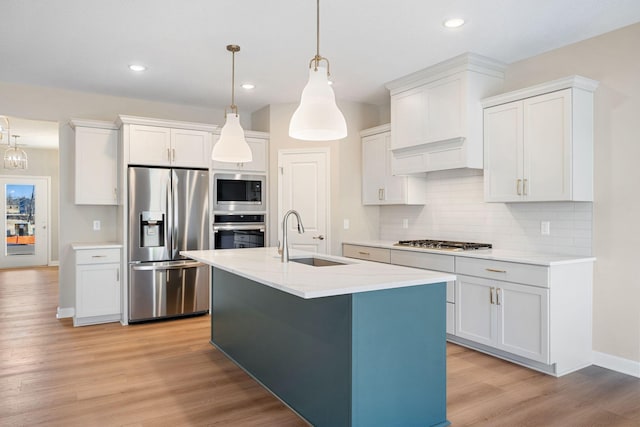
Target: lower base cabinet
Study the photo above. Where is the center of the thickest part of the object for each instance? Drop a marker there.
(98, 285)
(536, 315)
(508, 316)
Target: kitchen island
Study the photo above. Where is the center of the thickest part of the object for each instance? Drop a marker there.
(352, 344)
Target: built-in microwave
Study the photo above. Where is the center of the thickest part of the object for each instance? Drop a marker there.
(239, 192)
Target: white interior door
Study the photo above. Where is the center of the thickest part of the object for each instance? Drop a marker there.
(303, 185)
(24, 210)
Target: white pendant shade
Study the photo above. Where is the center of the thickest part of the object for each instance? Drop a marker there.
(232, 146)
(318, 118)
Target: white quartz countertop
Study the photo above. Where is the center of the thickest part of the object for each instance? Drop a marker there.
(263, 265)
(492, 254)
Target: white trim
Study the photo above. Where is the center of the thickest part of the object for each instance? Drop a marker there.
(618, 364)
(73, 123)
(146, 121)
(575, 81)
(55, 263)
(375, 130)
(65, 312)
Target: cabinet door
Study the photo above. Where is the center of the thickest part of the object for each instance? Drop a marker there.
(503, 153)
(149, 145)
(444, 113)
(190, 148)
(96, 166)
(374, 153)
(258, 163)
(523, 313)
(476, 318)
(547, 147)
(407, 116)
(98, 290)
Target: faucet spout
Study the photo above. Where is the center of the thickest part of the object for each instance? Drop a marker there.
(284, 255)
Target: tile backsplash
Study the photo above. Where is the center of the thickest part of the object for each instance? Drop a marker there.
(456, 211)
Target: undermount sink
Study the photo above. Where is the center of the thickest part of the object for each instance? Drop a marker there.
(317, 262)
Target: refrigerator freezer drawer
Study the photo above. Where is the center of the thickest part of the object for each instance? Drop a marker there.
(165, 290)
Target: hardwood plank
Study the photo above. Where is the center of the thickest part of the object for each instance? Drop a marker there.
(167, 373)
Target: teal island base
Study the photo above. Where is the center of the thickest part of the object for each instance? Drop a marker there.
(365, 359)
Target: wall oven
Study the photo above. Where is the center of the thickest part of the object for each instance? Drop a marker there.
(239, 192)
(235, 231)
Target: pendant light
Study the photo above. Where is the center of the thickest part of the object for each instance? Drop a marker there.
(318, 118)
(14, 157)
(232, 146)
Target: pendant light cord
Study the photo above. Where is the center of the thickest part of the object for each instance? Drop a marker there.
(233, 49)
(316, 59)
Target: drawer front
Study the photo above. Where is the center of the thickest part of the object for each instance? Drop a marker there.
(535, 275)
(367, 253)
(425, 260)
(98, 256)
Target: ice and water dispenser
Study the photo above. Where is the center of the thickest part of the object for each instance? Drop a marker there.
(151, 229)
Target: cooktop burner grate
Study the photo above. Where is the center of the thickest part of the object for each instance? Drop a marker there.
(445, 245)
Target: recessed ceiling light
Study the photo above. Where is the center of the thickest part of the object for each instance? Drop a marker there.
(248, 86)
(453, 23)
(137, 67)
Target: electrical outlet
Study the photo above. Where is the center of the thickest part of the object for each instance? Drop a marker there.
(346, 224)
(545, 228)
(96, 225)
(405, 223)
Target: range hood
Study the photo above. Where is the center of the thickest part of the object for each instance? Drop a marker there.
(436, 114)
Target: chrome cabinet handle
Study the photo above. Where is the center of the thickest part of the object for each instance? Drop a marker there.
(493, 270)
(491, 301)
(320, 237)
(518, 189)
(524, 186)
(173, 154)
(117, 274)
(498, 296)
(380, 193)
(169, 154)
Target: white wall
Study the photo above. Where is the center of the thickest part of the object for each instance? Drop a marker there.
(346, 170)
(40, 103)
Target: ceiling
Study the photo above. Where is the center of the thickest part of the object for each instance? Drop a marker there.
(87, 45)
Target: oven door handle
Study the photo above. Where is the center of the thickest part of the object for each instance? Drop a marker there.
(217, 228)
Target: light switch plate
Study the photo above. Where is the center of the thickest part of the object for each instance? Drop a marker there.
(346, 224)
(96, 225)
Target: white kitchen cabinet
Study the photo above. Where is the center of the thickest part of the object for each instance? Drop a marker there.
(259, 145)
(98, 284)
(155, 142)
(96, 176)
(379, 186)
(161, 146)
(540, 148)
(508, 316)
(436, 122)
(534, 310)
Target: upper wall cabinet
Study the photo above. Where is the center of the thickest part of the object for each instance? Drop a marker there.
(379, 186)
(538, 143)
(96, 148)
(153, 142)
(259, 144)
(436, 116)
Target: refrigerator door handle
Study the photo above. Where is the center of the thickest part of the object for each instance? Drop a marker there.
(163, 266)
(175, 220)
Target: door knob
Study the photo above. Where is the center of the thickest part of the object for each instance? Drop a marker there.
(320, 237)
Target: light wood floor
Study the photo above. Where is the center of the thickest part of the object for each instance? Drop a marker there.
(167, 374)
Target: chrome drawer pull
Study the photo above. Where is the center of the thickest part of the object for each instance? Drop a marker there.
(491, 295)
(493, 270)
(364, 253)
(98, 256)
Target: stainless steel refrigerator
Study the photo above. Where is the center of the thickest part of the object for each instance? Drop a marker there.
(168, 213)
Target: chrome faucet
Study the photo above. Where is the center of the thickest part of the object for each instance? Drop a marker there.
(284, 255)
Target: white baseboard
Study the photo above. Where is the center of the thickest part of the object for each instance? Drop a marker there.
(65, 312)
(54, 263)
(618, 364)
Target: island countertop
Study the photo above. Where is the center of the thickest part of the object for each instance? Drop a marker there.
(263, 265)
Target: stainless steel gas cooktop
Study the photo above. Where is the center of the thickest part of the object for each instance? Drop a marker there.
(445, 245)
